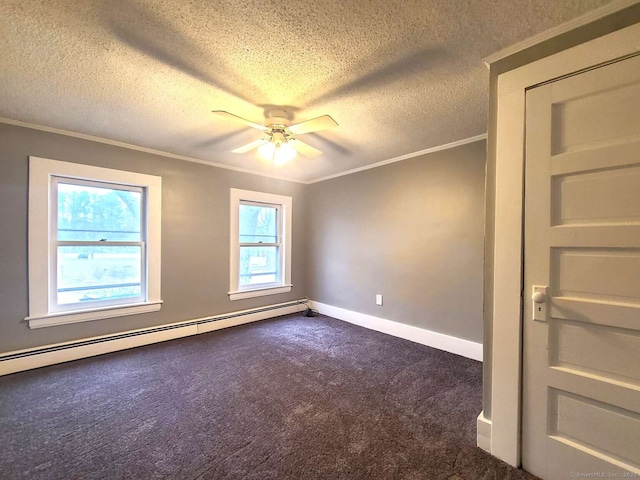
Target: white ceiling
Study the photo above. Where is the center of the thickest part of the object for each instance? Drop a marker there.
(398, 76)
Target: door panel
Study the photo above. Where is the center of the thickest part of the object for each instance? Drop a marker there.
(574, 203)
(572, 274)
(594, 349)
(594, 425)
(576, 120)
(581, 367)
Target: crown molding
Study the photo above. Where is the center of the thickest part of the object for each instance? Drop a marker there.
(138, 148)
(161, 153)
(407, 156)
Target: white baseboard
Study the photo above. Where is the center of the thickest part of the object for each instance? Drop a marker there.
(28, 359)
(18, 361)
(448, 343)
(483, 432)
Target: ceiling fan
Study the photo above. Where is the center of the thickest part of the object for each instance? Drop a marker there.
(279, 143)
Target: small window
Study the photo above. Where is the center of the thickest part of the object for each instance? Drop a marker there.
(260, 244)
(94, 243)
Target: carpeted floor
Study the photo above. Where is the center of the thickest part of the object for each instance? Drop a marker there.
(288, 398)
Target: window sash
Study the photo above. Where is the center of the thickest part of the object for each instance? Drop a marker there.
(54, 306)
(276, 207)
(276, 272)
(279, 273)
(57, 179)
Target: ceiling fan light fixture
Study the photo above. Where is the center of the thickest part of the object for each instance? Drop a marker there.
(277, 150)
(283, 153)
(266, 150)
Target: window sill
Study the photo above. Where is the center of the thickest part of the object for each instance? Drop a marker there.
(62, 318)
(259, 292)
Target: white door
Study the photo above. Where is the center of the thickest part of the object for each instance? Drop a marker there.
(581, 365)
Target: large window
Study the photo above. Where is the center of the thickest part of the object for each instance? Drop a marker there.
(99, 241)
(94, 239)
(260, 244)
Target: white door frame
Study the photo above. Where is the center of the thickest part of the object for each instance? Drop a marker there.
(506, 365)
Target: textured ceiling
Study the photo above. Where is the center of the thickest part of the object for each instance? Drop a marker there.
(398, 76)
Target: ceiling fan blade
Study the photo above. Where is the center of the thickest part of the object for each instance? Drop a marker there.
(250, 146)
(314, 125)
(231, 116)
(305, 149)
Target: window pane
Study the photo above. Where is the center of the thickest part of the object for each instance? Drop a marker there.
(95, 213)
(259, 265)
(97, 273)
(258, 224)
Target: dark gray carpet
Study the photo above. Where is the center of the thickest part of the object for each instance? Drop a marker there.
(288, 398)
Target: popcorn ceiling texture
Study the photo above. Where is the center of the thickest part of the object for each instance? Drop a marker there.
(398, 76)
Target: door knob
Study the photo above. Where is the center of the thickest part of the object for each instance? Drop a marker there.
(539, 297)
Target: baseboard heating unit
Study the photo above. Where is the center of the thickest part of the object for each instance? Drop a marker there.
(27, 359)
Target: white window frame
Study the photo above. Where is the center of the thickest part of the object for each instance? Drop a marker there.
(43, 175)
(284, 206)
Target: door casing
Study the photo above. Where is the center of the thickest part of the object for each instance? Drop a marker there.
(508, 248)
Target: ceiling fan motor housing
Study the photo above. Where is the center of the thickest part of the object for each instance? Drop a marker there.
(275, 122)
(278, 137)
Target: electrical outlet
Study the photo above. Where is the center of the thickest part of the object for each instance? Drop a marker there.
(378, 299)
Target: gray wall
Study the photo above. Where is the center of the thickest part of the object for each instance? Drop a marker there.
(412, 231)
(611, 23)
(195, 235)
